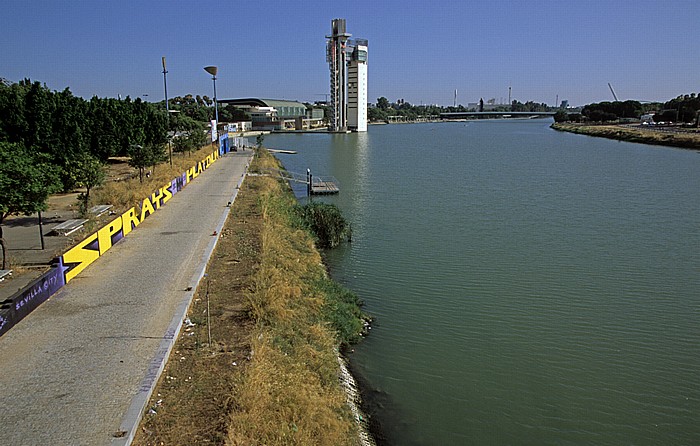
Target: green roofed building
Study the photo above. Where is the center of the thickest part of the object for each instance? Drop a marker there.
(275, 114)
(285, 109)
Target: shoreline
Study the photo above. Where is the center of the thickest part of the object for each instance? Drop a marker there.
(679, 140)
(267, 360)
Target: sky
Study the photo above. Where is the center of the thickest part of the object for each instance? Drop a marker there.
(419, 51)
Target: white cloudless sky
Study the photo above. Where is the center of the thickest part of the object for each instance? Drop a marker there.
(418, 51)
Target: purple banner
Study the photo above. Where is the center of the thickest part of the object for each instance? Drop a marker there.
(26, 300)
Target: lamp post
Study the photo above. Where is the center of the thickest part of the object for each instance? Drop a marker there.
(167, 110)
(213, 70)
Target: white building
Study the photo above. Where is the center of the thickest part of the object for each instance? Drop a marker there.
(357, 87)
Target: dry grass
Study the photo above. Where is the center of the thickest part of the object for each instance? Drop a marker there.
(673, 139)
(272, 375)
(193, 399)
(290, 394)
(130, 192)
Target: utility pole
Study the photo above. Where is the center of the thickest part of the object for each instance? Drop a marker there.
(167, 110)
(455, 101)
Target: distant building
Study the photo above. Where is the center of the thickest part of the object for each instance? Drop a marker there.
(270, 114)
(336, 58)
(357, 87)
(348, 92)
(236, 127)
(647, 119)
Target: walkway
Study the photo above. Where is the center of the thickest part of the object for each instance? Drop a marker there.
(77, 367)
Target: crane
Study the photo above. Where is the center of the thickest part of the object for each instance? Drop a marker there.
(613, 92)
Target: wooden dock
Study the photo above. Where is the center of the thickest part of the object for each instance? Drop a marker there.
(314, 185)
(324, 188)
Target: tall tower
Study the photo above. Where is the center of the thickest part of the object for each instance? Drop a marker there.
(336, 58)
(357, 86)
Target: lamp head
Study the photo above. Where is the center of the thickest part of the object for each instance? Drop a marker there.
(211, 70)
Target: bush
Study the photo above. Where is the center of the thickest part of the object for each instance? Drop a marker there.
(326, 223)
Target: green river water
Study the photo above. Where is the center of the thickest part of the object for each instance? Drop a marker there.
(530, 287)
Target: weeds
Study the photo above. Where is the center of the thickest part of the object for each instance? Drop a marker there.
(326, 222)
(272, 376)
(290, 393)
(130, 192)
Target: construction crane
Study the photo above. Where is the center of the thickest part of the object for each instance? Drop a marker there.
(613, 92)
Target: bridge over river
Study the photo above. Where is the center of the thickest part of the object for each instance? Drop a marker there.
(489, 114)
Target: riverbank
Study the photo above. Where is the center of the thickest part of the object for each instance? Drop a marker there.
(263, 366)
(643, 136)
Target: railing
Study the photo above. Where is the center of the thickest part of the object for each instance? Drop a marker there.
(318, 184)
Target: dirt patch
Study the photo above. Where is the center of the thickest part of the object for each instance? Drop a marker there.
(65, 206)
(192, 401)
(118, 169)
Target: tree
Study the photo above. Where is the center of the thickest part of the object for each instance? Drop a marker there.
(139, 158)
(90, 173)
(26, 181)
(375, 114)
(13, 125)
(383, 103)
(561, 116)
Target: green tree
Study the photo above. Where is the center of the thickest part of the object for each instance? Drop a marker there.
(383, 103)
(89, 173)
(561, 116)
(13, 125)
(26, 181)
(375, 114)
(139, 158)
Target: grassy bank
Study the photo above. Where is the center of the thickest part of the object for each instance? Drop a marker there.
(682, 140)
(270, 375)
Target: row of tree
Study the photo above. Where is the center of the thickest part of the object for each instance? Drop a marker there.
(53, 141)
(682, 109)
(66, 130)
(384, 109)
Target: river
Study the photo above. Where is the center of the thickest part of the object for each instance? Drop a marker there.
(529, 286)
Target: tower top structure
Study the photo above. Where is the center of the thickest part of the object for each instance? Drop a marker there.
(338, 30)
(336, 57)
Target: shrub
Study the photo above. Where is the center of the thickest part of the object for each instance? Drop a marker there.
(326, 223)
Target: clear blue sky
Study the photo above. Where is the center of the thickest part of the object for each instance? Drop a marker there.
(420, 51)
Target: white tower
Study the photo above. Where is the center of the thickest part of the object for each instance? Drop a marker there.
(336, 57)
(357, 87)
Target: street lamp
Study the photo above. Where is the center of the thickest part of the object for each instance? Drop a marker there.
(212, 70)
(167, 110)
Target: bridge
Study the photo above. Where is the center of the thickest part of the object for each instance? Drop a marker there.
(504, 114)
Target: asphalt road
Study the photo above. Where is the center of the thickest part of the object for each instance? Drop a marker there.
(75, 369)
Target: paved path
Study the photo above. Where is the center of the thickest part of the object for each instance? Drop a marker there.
(73, 372)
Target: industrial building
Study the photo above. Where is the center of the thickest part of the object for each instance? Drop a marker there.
(275, 114)
(347, 61)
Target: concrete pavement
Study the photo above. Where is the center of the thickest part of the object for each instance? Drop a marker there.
(79, 368)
